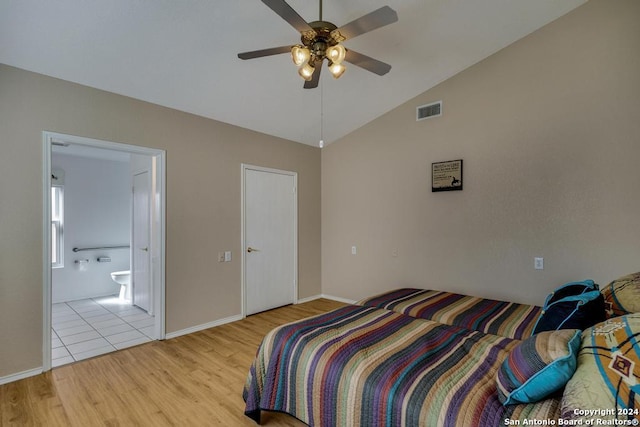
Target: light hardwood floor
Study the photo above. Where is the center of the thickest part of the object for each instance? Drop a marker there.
(192, 380)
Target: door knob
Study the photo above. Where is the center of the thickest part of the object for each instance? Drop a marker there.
(250, 249)
(144, 249)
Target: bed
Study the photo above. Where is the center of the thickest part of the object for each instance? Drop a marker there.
(366, 366)
(506, 319)
(414, 357)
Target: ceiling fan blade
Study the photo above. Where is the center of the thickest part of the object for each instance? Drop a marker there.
(363, 61)
(369, 22)
(287, 13)
(315, 78)
(264, 52)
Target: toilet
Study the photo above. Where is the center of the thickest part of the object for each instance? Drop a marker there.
(123, 278)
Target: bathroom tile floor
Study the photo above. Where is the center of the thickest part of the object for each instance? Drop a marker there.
(90, 327)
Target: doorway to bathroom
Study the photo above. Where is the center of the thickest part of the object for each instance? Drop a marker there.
(103, 255)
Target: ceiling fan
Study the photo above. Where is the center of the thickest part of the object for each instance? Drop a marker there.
(321, 39)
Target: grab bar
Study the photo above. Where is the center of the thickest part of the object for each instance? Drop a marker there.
(100, 247)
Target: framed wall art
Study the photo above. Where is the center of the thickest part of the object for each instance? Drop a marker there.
(446, 176)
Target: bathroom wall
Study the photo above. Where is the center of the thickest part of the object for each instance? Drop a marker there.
(96, 213)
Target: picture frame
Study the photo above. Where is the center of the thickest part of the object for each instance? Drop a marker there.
(446, 176)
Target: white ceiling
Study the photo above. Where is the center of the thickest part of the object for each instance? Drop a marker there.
(183, 54)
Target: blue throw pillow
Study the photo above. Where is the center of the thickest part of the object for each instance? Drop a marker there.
(538, 366)
(571, 289)
(576, 305)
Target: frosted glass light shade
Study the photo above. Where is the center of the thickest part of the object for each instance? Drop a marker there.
(336, 70)
(336, 53)
(306, 71)
(300, 55)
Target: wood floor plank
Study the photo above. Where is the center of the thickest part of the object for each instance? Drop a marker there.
(194, 380)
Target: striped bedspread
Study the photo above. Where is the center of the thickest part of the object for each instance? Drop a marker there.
(363, 366)
(506, 319)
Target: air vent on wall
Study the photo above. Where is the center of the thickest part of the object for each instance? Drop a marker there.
(428, 111)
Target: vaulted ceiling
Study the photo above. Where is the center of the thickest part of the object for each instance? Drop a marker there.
(183, 54)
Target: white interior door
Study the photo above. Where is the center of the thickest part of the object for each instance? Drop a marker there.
(140, 230)
(270, 239)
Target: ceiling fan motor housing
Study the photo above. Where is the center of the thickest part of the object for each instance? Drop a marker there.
(322, 37)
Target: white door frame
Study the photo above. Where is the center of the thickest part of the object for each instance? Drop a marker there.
(243, 292)
(158, 281)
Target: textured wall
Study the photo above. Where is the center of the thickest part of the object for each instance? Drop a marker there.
(549, 132)
(203, 201)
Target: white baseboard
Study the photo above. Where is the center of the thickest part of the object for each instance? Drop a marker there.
(20, 376)
(239, 317)
(307, 299)
(203, 326)
(339, 299)
(315, 297)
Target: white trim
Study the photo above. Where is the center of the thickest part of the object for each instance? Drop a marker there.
(160, 155)
(339, 299)
(243, 308)
(308, 299)
(325, 296)
(237, 317)
(99, 143)
(161, 180)
(21, 375)
(46, 252)
(204, 326)
(244, 167)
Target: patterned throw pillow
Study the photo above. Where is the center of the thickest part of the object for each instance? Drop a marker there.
(538, 366)
(622, 296)
(605, 385)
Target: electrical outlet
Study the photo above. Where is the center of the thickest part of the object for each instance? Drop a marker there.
(354, 250)
(394, 252)
(538, 263)
(227, 256)
(220, 256)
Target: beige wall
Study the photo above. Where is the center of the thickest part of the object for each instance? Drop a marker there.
(549, 131)
(203, 201)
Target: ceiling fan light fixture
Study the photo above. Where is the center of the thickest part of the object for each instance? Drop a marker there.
(306, 71)
(300, 54)
(336, 53)
(320, 40)
(336, 70)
